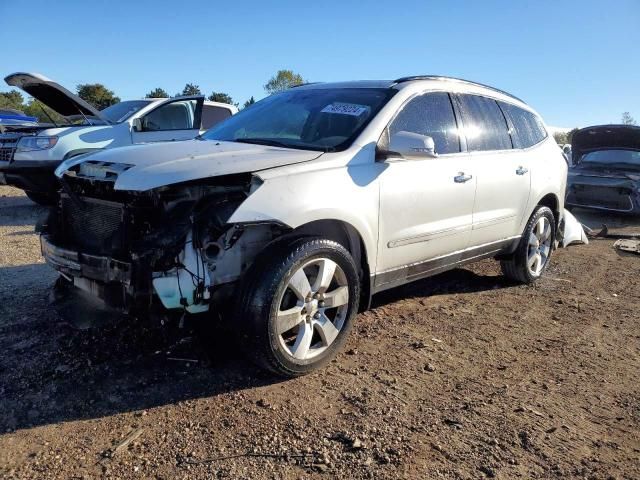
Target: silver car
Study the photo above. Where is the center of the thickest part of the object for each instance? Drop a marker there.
(286, 218)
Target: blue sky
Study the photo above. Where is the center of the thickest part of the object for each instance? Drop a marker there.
(576, 62)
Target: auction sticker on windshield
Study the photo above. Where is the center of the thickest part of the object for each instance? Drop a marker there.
(345, 109)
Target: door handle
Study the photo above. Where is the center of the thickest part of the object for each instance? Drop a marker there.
(521, 170)
(462, 178)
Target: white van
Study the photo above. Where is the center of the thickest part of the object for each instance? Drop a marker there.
(29, 154)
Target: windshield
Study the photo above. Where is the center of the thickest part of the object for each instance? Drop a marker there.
(612, 157)
(121, 111)
(312, 119)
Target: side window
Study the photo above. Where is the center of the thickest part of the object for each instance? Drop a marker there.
(431, 115)
(529, 129)
(212, 115)
(484, 124)
(178, 115)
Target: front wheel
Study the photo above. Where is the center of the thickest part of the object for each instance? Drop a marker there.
(298, 302)
(532, 256)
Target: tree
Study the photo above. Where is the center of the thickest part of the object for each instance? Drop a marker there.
(627, 119)
(283, 80)
(12, 99)
(190, 89)
(157, 93)
(43, 113)
(249, 102)
(97, 95)
(560, 137)
(221, 97)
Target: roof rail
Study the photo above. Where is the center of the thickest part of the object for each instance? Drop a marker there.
(461, 80)
(304, 84)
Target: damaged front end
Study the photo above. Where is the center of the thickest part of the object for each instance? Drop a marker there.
(606, 169)
(167, 249)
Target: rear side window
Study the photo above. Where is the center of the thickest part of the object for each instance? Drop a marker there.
(528, 127)
(484, 124)
(430, 115)
(212, 115)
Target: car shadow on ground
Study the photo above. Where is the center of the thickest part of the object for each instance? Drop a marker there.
(51, 372)
(459, 280)
(18, 211)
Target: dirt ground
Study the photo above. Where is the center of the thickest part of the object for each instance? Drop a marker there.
(459, 376)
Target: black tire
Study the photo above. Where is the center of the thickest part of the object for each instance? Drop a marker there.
(265, 284)
(514, 267)
(44, 199)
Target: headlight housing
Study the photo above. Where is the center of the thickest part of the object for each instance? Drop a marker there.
(29, 144)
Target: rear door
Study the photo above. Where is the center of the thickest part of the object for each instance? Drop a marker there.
(425, 205)
(503, 180)
(175, 119)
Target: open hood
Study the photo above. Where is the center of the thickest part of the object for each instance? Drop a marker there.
(52, 95)
(153, 165)
(604, 137)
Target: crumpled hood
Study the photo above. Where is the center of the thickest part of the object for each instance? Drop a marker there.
(155, 165)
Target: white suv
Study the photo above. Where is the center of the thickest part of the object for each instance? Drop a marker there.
(286, 218)
(30, 153)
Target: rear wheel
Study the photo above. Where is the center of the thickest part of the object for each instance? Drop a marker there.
(532, 256)
(45, 199)
(298, 303)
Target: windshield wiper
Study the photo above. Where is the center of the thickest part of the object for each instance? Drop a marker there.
(263, 141)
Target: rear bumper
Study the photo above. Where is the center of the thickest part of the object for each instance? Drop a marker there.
(34, 176)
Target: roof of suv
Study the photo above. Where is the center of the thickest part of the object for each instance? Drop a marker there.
(403, 80)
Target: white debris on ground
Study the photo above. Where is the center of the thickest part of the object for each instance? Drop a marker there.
(572, 231)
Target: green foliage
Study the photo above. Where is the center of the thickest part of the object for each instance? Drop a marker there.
(627, 119)
(190, 89)
(283, 80)
(35, 109)
(249, 102)
(12, 99)
(564, 137)
(221, 97)
(97, 95)
(157, 93)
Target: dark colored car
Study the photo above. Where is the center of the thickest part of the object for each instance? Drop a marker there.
(606, 169)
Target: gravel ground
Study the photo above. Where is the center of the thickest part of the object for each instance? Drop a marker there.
(459, 376)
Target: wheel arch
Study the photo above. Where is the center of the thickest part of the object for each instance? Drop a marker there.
(350, 238)
(551, 200)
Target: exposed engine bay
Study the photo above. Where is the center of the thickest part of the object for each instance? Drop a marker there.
(170, 246)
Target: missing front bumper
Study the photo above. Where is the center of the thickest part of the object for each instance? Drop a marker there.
(76, 264)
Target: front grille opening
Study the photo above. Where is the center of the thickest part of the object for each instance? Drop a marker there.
(601, 197)
(94, 226)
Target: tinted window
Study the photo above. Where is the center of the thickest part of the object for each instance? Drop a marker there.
(212, 115)
(528, 127)
(484, 124)
(430, 115)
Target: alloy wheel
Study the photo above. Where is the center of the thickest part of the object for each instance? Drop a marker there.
(312, 309)
(539, 246)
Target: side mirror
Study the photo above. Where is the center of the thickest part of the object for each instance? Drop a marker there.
(412, 145)
(137, 124)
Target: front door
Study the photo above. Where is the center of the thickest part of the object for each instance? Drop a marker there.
(426, 205)
(175, 119)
